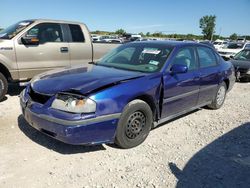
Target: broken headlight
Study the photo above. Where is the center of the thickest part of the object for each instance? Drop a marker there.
(73, 103)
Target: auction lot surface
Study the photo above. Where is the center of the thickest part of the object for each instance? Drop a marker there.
(206, 148)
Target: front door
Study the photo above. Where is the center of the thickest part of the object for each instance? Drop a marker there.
(51, 52)
(181, 90)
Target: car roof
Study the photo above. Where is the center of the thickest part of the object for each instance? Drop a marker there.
(170, 43)
(52, 21)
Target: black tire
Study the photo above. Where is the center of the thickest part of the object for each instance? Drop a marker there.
(221, 92)
(3, 86)
(134, 125)
(244, 79)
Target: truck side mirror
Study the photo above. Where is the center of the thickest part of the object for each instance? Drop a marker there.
(30, 40)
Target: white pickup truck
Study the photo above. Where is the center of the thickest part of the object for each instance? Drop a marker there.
(30, 47)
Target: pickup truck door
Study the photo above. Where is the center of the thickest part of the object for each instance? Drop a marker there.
(50, 53)
(209, 74)
(80, 44)
(181, 90)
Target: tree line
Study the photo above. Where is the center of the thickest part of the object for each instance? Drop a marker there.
(206, 23)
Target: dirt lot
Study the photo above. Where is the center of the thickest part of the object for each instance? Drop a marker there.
(203, 149)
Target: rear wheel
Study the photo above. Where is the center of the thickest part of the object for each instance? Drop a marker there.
(220, 96)
(3, 86)
(134, 124)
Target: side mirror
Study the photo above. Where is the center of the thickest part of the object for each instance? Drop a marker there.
(231, 57)
(178, 68)
(30, 40)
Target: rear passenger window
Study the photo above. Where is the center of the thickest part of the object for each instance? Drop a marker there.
(206, 57)
(76, 33)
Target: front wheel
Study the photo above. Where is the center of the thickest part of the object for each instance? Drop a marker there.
(134, 124)
(219, 97)
(3, 86)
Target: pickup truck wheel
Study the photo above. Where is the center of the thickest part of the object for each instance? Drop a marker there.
(3, 86)
(219, 97)
(134, 124)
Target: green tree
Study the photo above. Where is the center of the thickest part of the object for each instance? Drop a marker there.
(120, 32)
(148, 34)
(142, 34)
(233, 36)
(207, 24)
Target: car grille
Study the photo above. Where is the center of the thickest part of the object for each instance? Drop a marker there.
(37, 97)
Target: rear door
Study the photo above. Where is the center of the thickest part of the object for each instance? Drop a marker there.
(50, 53)
(209, 74)
(80, 45)
(181, 90)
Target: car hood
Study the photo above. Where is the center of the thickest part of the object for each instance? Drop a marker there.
(241, 64)
(83, 80)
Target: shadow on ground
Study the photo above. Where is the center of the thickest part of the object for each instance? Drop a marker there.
(14, 89)
(51, 143)
(223, 163)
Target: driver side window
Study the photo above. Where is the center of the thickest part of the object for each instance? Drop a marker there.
(46, 32)
(186, 56)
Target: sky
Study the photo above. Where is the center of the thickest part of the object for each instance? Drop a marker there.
(134, 16)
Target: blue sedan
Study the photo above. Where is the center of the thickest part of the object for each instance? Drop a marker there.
(132, 89)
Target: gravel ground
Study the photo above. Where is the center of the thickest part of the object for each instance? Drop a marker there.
(205, 148)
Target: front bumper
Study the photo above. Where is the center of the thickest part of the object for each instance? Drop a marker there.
(85, 131)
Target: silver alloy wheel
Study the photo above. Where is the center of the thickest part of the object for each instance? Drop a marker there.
(221, 95)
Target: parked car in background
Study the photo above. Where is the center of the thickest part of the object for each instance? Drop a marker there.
(143, 39)
(135, 87)
(247, 46)
(241, 62)
(95, 38)
(30, 47)
(232, 49)
(218, 44)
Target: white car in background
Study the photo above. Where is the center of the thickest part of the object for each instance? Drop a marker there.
(218, 44)
(232, 49)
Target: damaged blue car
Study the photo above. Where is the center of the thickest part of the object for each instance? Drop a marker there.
(132, 89)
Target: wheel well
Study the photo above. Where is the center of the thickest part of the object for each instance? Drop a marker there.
(227, 82)
(5, 72)
(149, 100)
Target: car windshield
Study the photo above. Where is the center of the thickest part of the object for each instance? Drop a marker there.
(217, 43)
(139, 57)
(13, 30)
(243, 55)
(235, 45)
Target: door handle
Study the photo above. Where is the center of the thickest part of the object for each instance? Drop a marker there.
(64, 49)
